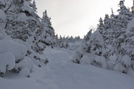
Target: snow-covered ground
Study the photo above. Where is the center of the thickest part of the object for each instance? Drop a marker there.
(61, 73)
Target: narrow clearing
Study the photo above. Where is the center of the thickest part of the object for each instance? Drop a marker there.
(61, 73)
(68, 75)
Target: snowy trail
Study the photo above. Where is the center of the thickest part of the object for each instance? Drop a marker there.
(68, 75)
(61, 73)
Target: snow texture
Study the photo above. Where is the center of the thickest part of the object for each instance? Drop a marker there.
(26, 7)
(97, 36)
(26, 63)
(2, 15)
(87, 59)
(126, 60)
(24, 72)
(131, 24)
(3, 35)
(2, 18)
(7, 62)
(3, 2)
(61, 73)
(18, 50)
(22, 17)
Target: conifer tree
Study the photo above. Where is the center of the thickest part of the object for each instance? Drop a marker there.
(47, 36)
(22, 20)
(87, 37)
(112, 45)
(100, 25)
(107, 21)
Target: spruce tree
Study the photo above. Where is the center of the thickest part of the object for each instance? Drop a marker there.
(87, 37)
(100, 25)
(47, 36)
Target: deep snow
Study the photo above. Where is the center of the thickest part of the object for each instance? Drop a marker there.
(61, 73)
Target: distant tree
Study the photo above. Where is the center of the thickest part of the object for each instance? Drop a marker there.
(107, 21)
(87, 37)
(100, 25)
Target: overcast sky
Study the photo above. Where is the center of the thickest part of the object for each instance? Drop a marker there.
(75, 17)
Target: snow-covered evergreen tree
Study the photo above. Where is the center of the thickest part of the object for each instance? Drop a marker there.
(22, 21)
(33, 5)
(100, 25)
(112, 45)
(80, 52)
(107, 21)
(87, 37)
(94, 49)
(19, 20)
(47, 36)
(12, 56)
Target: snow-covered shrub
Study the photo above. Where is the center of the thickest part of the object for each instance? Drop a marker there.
(119, 67)
(87, 59)
(13, 55)
(25, 72)
(95, 60)
(112, 61)
(92, 52)
(126, 61)
(124, 65)
(97, 44)
(18, 50)
(76, 57)
(35, 57)
(79, 53)
(100, 61)
(7, 62)
(26, 63)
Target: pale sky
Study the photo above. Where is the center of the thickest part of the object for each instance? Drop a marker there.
(75, 17)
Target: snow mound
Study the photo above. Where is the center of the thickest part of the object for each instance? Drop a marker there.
(76, 57)
(87, 59)
(126, 60)
(25, 72)
(119, 67)
(18, 50)
(101, 61)
(26, 63)
(7, 62)
(112, 61)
